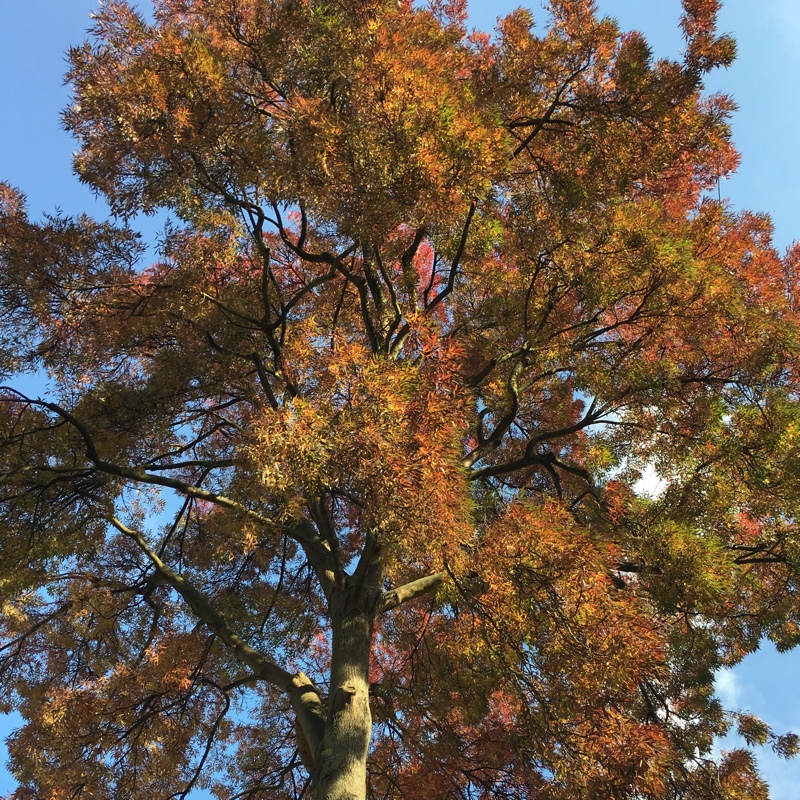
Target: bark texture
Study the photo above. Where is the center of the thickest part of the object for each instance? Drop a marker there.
(340, 765)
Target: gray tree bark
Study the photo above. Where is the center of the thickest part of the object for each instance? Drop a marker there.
(339, 771)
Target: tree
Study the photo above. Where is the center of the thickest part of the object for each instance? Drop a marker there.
(341, 496)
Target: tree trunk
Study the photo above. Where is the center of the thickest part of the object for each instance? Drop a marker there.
(340, 763)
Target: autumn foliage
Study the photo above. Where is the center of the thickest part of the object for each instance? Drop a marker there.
(341, 496)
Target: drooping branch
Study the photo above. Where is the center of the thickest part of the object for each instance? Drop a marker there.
(318, 553)
(302, 693)
(210, 739)
(203, 608)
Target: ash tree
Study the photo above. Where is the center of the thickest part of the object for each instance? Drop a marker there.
(339, 497)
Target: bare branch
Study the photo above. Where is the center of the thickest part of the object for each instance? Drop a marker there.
(411, 591)
(547, 460)
(500, 430)
(557, 102)
(451, 278)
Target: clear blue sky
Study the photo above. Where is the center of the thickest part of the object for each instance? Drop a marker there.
(765, 82)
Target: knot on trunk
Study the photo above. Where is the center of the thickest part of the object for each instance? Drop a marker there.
(343, 696)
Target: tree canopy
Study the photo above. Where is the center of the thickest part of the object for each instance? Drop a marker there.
(341, 496)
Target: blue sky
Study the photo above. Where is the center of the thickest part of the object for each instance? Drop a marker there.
(765, 82)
